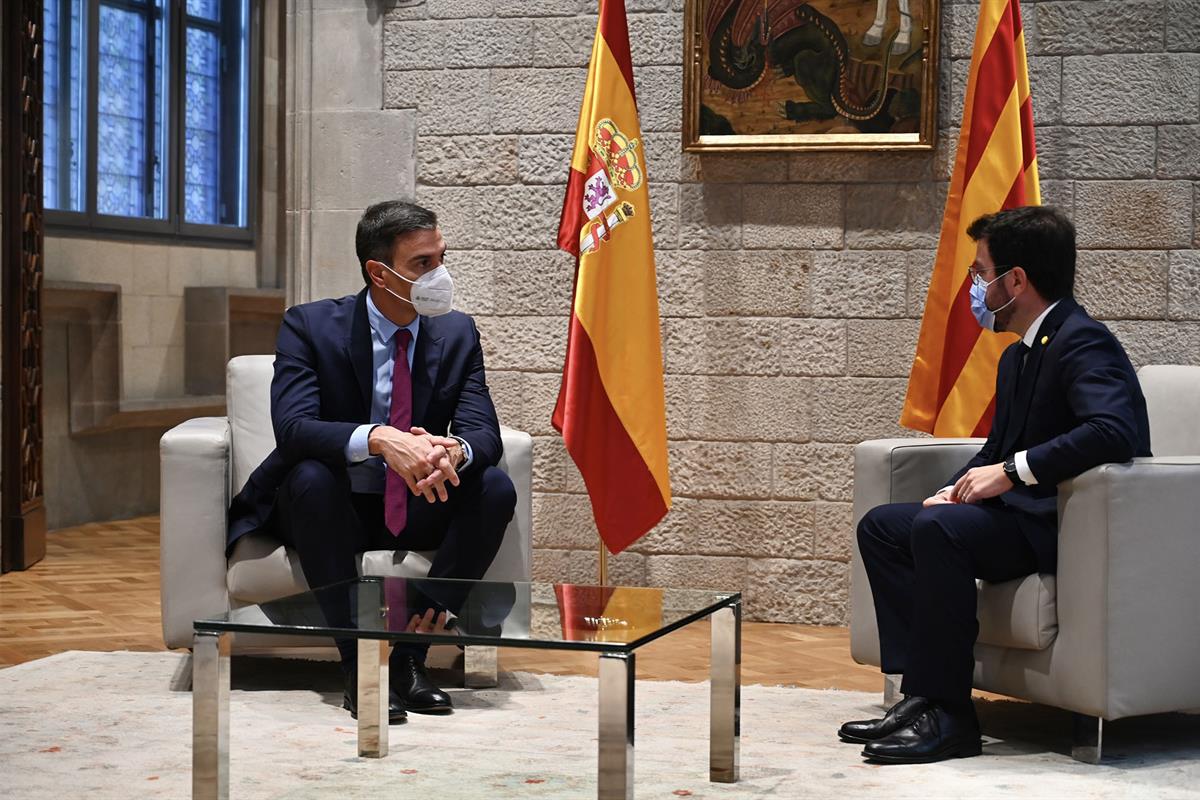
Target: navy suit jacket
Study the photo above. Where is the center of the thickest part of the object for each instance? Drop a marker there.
(1077, 404)
(322, 391)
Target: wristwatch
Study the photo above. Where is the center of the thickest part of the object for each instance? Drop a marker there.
(462, 445)
(1010, 471)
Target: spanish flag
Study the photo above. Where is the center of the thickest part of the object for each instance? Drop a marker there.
(610, 407)
(951, 390)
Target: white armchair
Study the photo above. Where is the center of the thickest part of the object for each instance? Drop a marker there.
(1114, 633)
(205, 461)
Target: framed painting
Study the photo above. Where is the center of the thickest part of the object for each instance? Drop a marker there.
(816, 75)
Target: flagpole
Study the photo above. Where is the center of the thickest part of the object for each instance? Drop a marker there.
(603, 562)
(615, 427)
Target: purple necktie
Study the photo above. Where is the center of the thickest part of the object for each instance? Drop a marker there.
(395, 491)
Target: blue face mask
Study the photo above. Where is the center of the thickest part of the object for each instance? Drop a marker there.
(986, 317)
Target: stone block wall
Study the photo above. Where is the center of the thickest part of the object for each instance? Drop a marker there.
(791, 285)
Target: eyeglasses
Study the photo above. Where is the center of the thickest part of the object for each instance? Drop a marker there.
(977, 276)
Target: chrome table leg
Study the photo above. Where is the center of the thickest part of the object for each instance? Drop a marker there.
(725, 705)
(372, 698)
(210, 716)
(1087, 743)
(480, 667)
(616, 727)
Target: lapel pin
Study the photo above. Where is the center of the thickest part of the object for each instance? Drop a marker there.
(1045, 339)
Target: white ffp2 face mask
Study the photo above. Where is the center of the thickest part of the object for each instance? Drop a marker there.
(432, 293)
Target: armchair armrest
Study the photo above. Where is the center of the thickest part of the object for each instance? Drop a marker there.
(905, 470)
(194, 463)
(893, 471)
(1128, 560)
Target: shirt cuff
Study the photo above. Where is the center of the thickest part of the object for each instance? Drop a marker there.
(357, 449)
(468, 456)
(1023, 469)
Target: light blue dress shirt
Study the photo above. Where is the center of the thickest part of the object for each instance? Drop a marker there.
(368, 474)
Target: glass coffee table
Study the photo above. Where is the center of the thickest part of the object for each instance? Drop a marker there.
(612, 621)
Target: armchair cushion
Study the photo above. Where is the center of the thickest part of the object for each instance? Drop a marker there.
(1021, 613)
(248, 398)
(1171, 392)
(262, 569)
(396, 563)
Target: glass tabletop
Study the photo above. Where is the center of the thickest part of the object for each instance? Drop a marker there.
(555, 616)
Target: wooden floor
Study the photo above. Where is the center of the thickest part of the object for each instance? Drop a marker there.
(97, 589)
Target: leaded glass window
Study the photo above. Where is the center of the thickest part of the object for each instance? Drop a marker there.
(201, 141)
(147, 115)
(63, 116)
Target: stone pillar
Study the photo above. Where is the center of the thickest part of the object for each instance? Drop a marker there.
(343, 150)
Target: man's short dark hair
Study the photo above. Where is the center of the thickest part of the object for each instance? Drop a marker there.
(381, 224)
(1039, 239)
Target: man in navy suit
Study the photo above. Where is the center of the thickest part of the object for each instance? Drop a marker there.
(1067, 399)
(386, 436)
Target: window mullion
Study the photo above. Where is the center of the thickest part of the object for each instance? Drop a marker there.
(150, 114)
(230, 92)
(178, 130)
(91, 135)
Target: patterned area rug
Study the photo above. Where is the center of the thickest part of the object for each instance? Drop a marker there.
(109, 725)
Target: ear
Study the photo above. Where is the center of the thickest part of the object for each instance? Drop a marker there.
(1020, 281)
(375, 270)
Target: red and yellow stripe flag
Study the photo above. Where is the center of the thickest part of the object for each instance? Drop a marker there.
(953, 381)
(610, 407)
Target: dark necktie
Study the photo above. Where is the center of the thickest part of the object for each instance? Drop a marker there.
(1023, 356)
(395, 490)
(1014, 426)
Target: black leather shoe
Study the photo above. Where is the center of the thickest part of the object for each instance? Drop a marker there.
(898, 716)
(396, 712)
(419, 694)
(935, 735)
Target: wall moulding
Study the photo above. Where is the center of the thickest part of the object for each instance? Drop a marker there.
(92, 315)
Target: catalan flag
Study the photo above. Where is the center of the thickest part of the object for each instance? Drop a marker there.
(951, 389)
(610, 407)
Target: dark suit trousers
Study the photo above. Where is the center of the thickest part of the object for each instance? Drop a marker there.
(922, 564)
(328, 525)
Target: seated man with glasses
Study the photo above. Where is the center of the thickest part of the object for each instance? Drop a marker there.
(1067, 399)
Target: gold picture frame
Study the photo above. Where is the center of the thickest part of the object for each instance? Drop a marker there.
(816, 75)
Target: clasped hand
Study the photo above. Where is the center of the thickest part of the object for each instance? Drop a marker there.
(427, 623)
(426, 462)
(977, 484)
